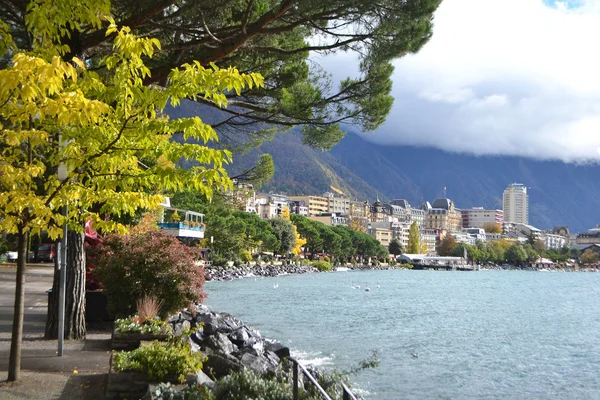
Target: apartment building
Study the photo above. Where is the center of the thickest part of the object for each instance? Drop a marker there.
(443, 215)
(316, 204)
(477, 217)
(298, 207)
(336, 204)
(269, 205)
(329, 219)
(515, 204)
(399, 230)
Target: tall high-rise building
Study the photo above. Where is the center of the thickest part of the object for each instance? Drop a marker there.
(515, 203)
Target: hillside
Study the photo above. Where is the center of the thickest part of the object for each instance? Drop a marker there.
(560, 194)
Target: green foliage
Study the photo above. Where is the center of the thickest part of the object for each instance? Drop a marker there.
(285, 233)
(160, 360)
(245, 256)
(516, 254)
(322, 266)
(148, 264)
(252, 385)
(414, 240)
(260, 174)
(589, 257)
(395, 247)
(326, 259)
(165, 391)
(405, 265)
(149, 325)
(492, 227)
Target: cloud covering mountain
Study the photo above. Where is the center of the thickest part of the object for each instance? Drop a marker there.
(501, 77)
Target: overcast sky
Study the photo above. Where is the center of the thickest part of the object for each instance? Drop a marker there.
(506, 77)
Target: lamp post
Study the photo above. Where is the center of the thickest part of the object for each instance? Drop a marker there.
(62, 269)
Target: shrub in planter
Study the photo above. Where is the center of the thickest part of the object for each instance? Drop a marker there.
(149, 264)
(160, 360)
(134, 324)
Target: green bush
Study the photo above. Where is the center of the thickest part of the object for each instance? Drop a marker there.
(326, 259)
(149, 264)
(392, 262)
(405, 265)
(164, 391)
(160, 360)
(322, 266)
(245, 256)
(133, 324)
(251, 385)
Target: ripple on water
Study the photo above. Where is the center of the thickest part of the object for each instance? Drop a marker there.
(487, 334)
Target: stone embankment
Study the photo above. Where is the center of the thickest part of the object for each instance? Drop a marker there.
(213, 273)
(230, 345)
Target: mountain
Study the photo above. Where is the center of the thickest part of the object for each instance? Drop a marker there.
(559, 194)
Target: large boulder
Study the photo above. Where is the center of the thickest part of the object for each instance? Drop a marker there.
(280, 350)
(219, 343)
(219, 365)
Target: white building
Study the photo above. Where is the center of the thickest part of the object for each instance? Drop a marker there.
(515, 203)
(477, 217)
(270, 205)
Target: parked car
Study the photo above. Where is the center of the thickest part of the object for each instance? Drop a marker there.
(12, 256)
(46, 252)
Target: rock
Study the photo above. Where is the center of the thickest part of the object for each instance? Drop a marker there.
(220, 365)
(200, 378)
(240, 336)
(220, 343)
(179, 327)
(280, 350)
(256, 363)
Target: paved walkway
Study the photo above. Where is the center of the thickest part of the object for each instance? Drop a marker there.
(79, 374)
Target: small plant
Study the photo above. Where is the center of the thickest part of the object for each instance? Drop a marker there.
(148, 307)
(161, 360)
(322, 266)
(165, 391)
(326, 259)
(135, 324)
(252, 385)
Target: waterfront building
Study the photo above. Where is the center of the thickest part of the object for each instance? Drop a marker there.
(316, 204)
(515, 204)
(329, 219)
(443, 215)
(380, 212)
(399, 230)
(298, 207)
(477, 217)
(592, 236)
(269, 205)
(431, 238)
(552, 240)
(336, 204)
(383, 235)
(477, 234)
(409, 214)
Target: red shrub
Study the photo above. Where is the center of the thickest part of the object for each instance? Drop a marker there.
(148, 264)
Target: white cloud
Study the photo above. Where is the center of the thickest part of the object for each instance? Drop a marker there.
(510, 77)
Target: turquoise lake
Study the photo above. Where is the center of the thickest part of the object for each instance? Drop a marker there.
(439, 334)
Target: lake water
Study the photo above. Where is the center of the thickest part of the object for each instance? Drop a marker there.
(439, 334)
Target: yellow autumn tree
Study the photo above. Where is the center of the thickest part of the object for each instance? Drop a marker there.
(107, 133)
(285, 213)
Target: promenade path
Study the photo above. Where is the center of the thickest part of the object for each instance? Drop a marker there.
(82, 370)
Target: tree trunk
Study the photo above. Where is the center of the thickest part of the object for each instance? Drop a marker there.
(75, 292)
(14, 364)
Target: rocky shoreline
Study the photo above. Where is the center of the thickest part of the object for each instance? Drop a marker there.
(214, 273)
